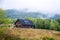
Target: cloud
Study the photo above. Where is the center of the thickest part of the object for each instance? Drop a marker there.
(0, 1)
(46, 6)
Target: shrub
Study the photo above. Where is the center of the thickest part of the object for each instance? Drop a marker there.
(48, 38)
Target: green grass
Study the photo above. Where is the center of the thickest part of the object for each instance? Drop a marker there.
(28, 34)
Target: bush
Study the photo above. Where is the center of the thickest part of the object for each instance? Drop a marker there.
(48, 38)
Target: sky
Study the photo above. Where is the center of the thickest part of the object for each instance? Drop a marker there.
(45, 6)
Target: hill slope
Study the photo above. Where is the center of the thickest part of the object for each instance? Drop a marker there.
(29, 34)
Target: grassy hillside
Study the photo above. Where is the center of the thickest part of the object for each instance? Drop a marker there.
(28, 34)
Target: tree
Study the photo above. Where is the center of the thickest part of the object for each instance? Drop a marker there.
(58, 20)
(47, 23)
(2, 15)
(53, 25)
(40, 23)
(58, 27)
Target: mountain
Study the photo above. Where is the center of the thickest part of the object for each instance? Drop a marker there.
(13, 13)
(55, 16)
(23, 14)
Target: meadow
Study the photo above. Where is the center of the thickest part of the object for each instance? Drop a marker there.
(28, 34)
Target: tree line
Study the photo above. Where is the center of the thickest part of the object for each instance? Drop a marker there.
(51, 24)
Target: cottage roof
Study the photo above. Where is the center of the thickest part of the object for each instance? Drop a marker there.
(25, 22)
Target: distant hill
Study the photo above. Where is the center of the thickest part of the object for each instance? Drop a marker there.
(12, 13)
(55, 16)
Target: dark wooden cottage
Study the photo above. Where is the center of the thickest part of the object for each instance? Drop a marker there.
(23, 23)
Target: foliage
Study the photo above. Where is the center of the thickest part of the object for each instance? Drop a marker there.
(2, 15)
(46, 23)
(48, 38)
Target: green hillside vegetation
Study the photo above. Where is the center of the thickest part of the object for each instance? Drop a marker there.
(46, 23)
(50, 24)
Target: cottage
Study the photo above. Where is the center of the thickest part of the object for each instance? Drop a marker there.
(23, 23)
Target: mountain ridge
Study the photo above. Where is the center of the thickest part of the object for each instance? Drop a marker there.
(13, 13)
